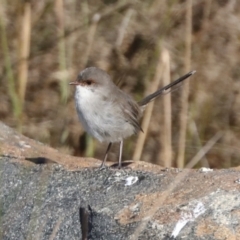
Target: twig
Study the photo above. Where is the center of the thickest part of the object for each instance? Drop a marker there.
(185, 92)
(204, 150)
(8, 65)
(123, 27)
(24, 50)
(91, 36)
(59, 9)
(193, 127)
(148, 112)
(166, 134)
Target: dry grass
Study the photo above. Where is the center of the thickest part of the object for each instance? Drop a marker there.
(24, 50)
(185, 93)
(11, 93)
(166, 135)
(148, 111)
(122, 37)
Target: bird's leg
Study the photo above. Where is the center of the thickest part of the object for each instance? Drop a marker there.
(120, 155)
(105, 157)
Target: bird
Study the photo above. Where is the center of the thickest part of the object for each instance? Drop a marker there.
(108, 113)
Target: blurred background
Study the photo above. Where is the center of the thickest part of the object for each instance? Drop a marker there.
(143, 45)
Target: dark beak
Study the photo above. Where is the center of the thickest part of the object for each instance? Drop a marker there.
(73, 83)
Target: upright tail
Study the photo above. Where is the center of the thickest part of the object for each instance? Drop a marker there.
(160, 91)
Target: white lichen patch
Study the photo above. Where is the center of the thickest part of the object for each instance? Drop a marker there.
(193, 211)
(130, 180)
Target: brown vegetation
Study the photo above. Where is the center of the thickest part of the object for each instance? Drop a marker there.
(45, 43)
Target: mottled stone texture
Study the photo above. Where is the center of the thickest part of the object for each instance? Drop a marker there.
(47, 195)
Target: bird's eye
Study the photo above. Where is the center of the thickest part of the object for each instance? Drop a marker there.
(88, 82)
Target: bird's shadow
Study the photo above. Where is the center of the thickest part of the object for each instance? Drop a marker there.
(124, 164)
(40, 160)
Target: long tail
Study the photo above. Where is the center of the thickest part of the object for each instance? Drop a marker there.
(152, 96)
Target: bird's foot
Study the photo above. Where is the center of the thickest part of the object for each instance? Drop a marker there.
(103, 166)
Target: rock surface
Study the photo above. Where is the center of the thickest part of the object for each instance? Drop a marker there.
(48, 195)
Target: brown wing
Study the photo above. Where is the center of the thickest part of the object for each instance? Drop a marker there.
(132, 112)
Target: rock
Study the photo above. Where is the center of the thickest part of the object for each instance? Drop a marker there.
(45, 194)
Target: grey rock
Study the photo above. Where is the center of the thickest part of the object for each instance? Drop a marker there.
(55, 200)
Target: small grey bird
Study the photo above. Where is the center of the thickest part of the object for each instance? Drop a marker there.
(106, 112)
